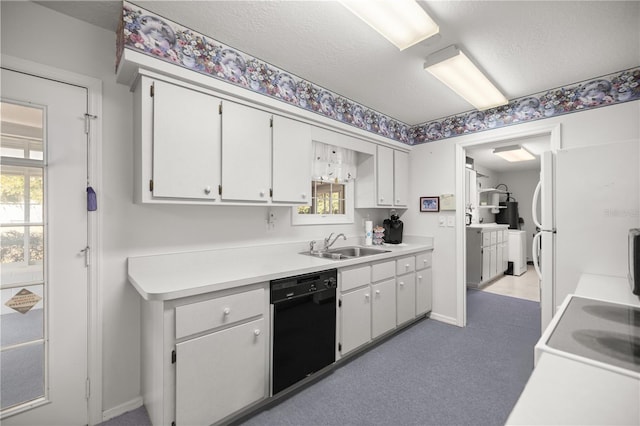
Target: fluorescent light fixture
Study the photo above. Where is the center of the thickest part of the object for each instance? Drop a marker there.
(402, 22)
(514, 153)
(451, 66)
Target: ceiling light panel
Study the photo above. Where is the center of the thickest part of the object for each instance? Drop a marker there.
(452, 67)
(402, 22)
(514, 153)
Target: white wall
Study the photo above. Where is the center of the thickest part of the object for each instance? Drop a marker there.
(37, 34)
(522, 184)
(433, 172)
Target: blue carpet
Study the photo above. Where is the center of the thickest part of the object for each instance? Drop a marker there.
(429, 374)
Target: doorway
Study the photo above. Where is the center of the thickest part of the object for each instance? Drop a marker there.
(540, 134)
(48, 287)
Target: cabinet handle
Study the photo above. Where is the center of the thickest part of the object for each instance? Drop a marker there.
(226, 311)
(256, 332)
(419, 277)
(401, 284)
(303, 196)
(207, 190)
(397, 201)
(366, 296)
(406, 266)
(262, 193)
(381, 199)
(377, 291)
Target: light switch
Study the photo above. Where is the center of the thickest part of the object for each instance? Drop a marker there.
(451, 221)
(442, 221)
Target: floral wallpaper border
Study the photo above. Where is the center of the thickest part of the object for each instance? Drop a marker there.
(166, 40)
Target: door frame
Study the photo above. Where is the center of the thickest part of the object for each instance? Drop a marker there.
(94, 167)
(542, 129)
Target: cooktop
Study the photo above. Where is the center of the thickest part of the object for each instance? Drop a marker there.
(601, 331)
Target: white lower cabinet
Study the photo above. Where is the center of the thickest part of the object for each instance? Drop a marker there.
(355, 319)
(220, 373)
(377, 298)
(205, 358)
(406, 289)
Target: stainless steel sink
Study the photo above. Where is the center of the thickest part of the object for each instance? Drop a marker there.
(346, 252)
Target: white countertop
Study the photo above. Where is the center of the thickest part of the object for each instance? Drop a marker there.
(566, 390)
(488, 225)
(176, 275)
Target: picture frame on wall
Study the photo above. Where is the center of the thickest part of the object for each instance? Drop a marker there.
(429, 204)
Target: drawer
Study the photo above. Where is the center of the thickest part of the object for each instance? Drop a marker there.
(500, 237)
(405, 265)
(494, 237)
(355, 277)
(423, 260)
(382, 271)
(213, 313)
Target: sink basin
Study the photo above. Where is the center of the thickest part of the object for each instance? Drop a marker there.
(347, 252)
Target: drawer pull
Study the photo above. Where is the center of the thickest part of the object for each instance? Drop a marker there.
(377, 291)
(226, 311)
(401, 284)
(256, 332)
(366, 296)
(406, 266)
(419, 277)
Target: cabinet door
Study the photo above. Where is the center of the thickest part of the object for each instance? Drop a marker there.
(486, 263)
(406, 295)
(424, 286)
(355, 319)
(292, 159)
(493, 266)
(221, 373)
(384, 177)
(383, 307)
(401, 178)
(246, 153)
(186, 143)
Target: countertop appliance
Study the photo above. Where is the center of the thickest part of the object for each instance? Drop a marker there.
(304, 326)
(598, 331)
(393, 229)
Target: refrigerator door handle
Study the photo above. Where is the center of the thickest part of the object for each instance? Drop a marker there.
(534, 205)
(535, 251)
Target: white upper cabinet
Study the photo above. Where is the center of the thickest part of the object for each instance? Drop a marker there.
(400, 178)
(246, 153)
(292, 157)
(186, 142)
(384, 179)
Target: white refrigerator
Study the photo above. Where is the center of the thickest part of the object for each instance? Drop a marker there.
(594, 193)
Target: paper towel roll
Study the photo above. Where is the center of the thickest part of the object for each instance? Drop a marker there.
(368, 232)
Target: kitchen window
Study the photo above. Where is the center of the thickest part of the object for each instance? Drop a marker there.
(334, 169)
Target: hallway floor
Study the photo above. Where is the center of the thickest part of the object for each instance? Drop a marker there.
(525, 286)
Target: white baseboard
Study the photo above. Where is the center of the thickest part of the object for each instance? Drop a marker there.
(122, 408)
(443, 318)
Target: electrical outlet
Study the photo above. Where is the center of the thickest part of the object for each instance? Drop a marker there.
(451, 221)
(442, 220)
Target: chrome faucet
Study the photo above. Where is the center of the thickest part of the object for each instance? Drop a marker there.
(328, 243)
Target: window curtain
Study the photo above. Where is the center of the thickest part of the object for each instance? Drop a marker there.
(333, 163)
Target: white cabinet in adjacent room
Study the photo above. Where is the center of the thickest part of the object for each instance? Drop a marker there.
(487, 246)
(246, 153)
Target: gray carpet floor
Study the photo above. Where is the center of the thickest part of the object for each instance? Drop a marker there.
(429, 374)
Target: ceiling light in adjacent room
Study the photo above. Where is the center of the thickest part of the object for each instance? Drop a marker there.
(402, 22)
(514, 153)
(451, 66)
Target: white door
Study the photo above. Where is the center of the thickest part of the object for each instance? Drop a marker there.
(44, 230)
(543, 250)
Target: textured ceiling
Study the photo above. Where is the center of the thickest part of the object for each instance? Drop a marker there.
(525, 47)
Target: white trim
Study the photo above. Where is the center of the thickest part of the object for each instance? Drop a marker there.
(553, 130)
(443, 318)
(94, 106)
(119, 410)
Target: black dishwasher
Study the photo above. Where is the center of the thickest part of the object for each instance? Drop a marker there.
(304, 326)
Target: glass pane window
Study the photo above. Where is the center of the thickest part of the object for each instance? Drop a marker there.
(327, 199)
(21, 131)
(22, 255)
